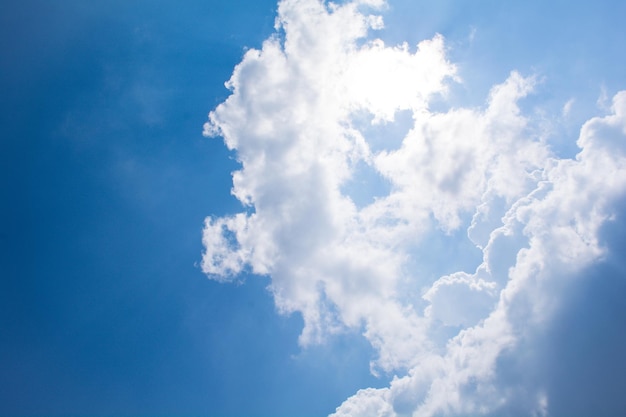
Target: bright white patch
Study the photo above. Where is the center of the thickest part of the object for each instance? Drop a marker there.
(294, 120)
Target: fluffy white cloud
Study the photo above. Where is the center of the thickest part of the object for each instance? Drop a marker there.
(295, 120)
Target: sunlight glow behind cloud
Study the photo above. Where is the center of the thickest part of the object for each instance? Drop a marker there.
(292, 120)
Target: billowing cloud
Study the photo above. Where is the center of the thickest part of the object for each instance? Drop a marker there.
(302, 119)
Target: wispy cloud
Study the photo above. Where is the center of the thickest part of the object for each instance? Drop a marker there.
(295, 120)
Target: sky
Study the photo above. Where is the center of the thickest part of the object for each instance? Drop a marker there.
(303, 208)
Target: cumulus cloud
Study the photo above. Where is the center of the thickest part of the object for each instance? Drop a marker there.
(295, 120)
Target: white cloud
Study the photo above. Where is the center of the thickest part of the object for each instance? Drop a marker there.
(567, 107)
(293, 120)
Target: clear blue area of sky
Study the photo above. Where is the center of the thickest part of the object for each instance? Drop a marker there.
(106, 179)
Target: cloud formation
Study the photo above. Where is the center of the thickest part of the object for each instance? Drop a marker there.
(301, 119)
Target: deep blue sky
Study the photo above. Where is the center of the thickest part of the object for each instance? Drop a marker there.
(106, 180)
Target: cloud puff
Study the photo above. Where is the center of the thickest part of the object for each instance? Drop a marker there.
(295, 119)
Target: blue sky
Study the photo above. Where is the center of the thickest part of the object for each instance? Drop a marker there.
(440, 227)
